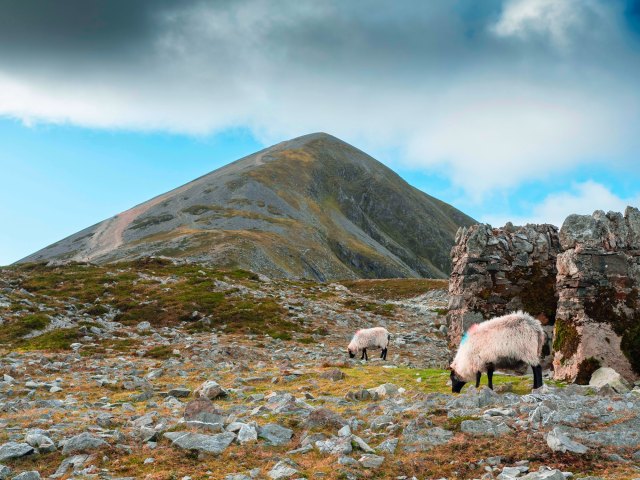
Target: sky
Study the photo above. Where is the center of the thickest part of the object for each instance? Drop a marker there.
(510, 110)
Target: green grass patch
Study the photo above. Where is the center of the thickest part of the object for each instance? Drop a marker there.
(54, 340)
(161, 352)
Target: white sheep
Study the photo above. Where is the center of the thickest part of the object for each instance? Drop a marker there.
(502, 342)
(377, 337)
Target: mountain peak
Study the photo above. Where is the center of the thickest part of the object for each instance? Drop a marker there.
(310, 207)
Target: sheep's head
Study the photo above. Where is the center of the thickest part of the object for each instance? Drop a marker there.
(351, 354)
(456, 383)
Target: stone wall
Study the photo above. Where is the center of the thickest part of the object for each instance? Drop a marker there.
(500, 270)
(583, 283)
(598, 318)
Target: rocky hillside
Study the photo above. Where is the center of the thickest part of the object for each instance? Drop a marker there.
(313, 207)
(151, 370)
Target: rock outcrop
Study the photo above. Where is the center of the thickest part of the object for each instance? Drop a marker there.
(582, 282)
(499, 270)
(598, 318)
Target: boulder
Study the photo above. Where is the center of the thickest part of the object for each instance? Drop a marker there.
(559, 442)
(83, 442)
(608, 376)
(282, 469)
(203, 443)
(371, 460)
(12, 450)
(275, 434)
(211, 390)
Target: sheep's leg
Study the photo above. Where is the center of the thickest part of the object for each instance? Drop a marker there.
(383, 355)
(364, 354)
(478, 375)
(537, 376)
(490, 370)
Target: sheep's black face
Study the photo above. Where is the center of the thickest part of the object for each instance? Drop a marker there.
(351, 354)
(456, 384)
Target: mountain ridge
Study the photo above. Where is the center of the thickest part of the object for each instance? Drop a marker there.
(310, 207)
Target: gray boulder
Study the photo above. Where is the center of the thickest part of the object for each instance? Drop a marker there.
(275, 434)
(30, 475)
(484, 427)
(608, 376)
(203, 443)
(211, 390)
(559, 442)
(282, 469)
(83, 442)
(12, 450)
(371, 461)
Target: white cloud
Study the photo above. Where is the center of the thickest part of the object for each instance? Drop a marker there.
(491, 110)
(584, 198)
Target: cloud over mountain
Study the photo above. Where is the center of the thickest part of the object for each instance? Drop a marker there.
(494, 93)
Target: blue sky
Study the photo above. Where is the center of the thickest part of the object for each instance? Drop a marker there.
(521, 110)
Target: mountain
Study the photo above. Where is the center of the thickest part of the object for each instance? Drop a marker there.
(312, 207)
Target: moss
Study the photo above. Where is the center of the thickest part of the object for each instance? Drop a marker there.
(440, 311)
(161, 352)
(385, 309)
(630, 346)
(586, 369)
(566, 338)
(19, 327)
(97, 310)
(55, 340)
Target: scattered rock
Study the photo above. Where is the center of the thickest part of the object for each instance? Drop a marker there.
(484, 427)
(608, 376)
(282, 469)
(203, 443)
(211, 390)
(275, 434)
(371, 461)
(559, 442)
(83, 442)
(12, 450)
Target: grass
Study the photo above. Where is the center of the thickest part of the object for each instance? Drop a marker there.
(395, 288)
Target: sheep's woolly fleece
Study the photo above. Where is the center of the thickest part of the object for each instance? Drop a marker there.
(516, 336)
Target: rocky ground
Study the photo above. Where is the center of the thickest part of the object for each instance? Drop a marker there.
(161, 371)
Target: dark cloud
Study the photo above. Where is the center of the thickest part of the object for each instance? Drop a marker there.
(500, 83)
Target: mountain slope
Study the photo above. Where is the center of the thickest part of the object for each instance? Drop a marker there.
(312, 207)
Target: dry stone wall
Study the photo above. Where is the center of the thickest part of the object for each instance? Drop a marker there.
(598, 318)
(583, 283)
(500, 270)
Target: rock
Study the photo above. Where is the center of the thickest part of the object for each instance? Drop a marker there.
(559, 442)
(388, 446)
(211, 390)
(4, 472)
(12, 450)
(202, 414)
(362, 395)
(371, 461)
(334, 374)
(203, 443)
(335, 446)
(247, 433)
(425, 439)
(143, 327)
(384, 390)
(275, 434)
(30, 475)
(380, 422)
(361, 444)
(282, 469)
(75, 463)
(180, 392)
(344, 431)
(83, 442)
(608, 376)
(324, 418)
(484, 427)
(544, 474)
(40, 441)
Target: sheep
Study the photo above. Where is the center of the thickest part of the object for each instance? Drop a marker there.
(502, 342)
(377, 337)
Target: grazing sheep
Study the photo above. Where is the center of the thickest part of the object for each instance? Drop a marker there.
(502, 342)
(377, 337)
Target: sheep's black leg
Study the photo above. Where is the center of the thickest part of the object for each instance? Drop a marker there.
(490, 370)
(478, 375)
(364, 353)
(383, 355)
(537, 376)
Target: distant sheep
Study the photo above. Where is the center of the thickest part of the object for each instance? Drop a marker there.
(502, 342)
(377, 337)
